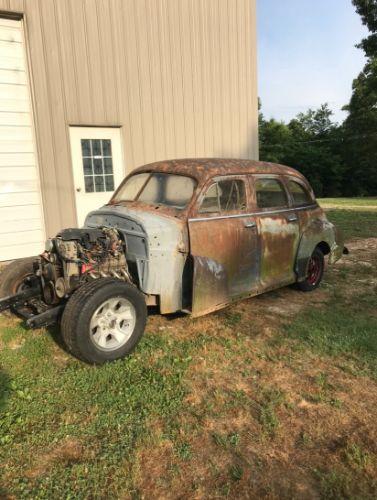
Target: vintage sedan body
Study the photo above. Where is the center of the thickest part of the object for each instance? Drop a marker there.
(196, 235)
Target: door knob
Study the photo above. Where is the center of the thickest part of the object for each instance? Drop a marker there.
(78, 189)
(250, 225)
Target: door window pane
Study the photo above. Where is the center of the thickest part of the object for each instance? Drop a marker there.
(299, 194)
(89, 184)
(232, 195)
(85, 147)
(108, 165)
(99, 183)
(225, 196)
(97, 165)
(210, 203)
(96, 147)
(87, 162)
(270, 193)
(109, 183)
(106, 147)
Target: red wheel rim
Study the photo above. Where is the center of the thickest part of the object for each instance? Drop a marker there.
(314, 270)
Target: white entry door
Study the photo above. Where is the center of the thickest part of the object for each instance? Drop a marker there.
(98, 166)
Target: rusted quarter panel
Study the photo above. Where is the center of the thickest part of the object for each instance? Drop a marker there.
(315, 230)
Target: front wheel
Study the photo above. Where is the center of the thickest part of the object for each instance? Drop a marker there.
(316, 267)
(104, 320)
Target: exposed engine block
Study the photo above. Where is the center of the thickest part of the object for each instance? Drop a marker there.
(75, 256)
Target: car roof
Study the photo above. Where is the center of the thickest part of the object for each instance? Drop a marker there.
(204, 168)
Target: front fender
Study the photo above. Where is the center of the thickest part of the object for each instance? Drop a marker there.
(320, 232)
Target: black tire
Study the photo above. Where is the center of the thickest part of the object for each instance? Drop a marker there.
(80, 310)
(314, 278)
(13, 276)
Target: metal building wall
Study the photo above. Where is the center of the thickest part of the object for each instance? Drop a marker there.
(179, 77)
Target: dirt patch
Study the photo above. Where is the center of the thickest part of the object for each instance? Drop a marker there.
(68, 451)
(363, 249)
(263, 420)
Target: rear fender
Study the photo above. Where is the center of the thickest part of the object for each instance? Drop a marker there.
(320, 233)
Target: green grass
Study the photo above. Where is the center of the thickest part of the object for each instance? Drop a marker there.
(348, 202)
(104, 409)
(356, 217)
(354, 223)
(341, 330)
(213, 407)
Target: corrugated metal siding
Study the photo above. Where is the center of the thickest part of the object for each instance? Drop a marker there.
(179, 76)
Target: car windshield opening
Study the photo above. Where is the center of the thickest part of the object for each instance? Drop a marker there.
(157, 189)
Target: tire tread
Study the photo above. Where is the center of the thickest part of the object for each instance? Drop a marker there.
(76, 306)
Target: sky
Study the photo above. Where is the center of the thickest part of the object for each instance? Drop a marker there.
(307, 55)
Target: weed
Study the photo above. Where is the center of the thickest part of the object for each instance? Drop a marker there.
(226, 440)
(236, 472)
(184, 451)
(269, 401)
(232, 318)
(357, 457)
(334, 485)
(305, 440)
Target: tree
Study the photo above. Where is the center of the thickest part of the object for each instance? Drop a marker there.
(336, 159)
(360, 127)
(315, 150)
(311, 143)
(367, 9)
(274, 140)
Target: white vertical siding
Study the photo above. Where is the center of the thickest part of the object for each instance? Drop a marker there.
(21, 218)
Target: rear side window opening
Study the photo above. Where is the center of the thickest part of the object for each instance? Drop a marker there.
(270, 193)
(300, 195)
(157, 188)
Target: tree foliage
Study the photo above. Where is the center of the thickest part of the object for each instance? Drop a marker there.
(336, 159)
(360, 127)
(311, 143)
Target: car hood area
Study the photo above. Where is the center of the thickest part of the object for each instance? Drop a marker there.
(157, 245)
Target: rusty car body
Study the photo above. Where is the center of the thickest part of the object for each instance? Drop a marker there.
(194, 235)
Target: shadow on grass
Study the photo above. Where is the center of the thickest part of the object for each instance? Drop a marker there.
(55, 334)
(4, 389)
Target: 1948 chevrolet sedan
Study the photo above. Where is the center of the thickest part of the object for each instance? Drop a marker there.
(183, 235)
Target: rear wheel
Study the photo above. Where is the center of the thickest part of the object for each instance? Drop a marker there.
(12, 278)
(314, 276)
(104, 320)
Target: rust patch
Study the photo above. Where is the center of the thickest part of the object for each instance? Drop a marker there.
(226, 261)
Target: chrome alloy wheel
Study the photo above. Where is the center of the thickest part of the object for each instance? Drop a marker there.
(112, 324)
